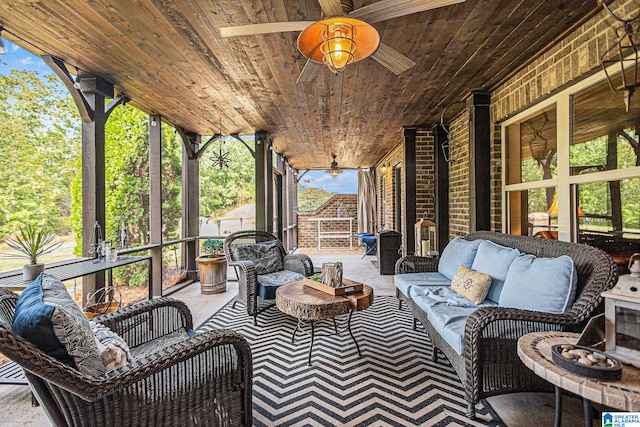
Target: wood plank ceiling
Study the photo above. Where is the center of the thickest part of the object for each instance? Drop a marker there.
(169, 58)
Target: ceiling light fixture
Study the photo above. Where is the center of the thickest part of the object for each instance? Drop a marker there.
(627, 43)
(338, 42)
(334, 170)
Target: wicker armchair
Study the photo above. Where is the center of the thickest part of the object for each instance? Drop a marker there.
(201, 380)
(490, 364)
(248, 278)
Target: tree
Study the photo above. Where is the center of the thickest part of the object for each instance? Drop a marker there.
(311, 198)
(224, 187)
(39, 142)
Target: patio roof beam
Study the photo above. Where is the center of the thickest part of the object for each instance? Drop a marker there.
(480, 162)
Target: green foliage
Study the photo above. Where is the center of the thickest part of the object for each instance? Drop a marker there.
(31, 242)
(127, 186)
(311, 198)
(39, 142)
(222, 188)
(212, 247)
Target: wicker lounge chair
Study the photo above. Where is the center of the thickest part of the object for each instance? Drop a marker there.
(490, 364)
(257, 290)
(201, 380)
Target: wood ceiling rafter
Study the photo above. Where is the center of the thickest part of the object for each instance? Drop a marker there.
(169, 58)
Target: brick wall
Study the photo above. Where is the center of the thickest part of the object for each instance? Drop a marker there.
(573, 58)
(459, 177)
(425, 170)
(308, 230)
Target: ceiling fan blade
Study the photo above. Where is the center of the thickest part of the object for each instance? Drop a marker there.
(266, 28)
(387, 9)
(391, 59)
(309, 72)
(331, 7)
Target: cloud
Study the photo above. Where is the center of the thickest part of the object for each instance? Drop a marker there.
(14, 48)
(27, 60)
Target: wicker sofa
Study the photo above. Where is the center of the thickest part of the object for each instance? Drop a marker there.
(489, 364)
(205, 379)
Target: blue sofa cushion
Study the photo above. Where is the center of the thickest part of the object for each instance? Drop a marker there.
(47, 317)
(268, 283)
(406, 282)
(494, 260)
(457, 252)
(540, 284)
(448, 312)
(266, 256)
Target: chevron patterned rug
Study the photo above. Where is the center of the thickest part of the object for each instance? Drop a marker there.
(393, 384)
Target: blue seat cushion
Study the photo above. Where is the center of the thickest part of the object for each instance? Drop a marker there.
(266, 256)
(407, 282)
(540, 284)
(269, 283)
(47, 317)
(494, 260)
(457, 252)
(448, 312)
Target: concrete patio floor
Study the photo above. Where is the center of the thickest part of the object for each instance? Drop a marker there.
(520, 409)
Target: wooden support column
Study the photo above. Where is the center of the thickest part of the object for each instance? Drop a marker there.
(441, 188)
(155, 202)
(190, 201)
(409, 196)
(94, 90)
(480, 162)
(264, 182)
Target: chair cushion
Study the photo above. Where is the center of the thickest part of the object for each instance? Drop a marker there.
(407, 282)
(161, 343)
(448, 312)
(471, 284)
(114, 351)
(266, 256)
(540, 284)
(494, 260)
(457, 252)
(268, 283)
(47, 317)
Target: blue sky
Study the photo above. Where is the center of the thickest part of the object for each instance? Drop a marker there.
(16, 58)
(344, 183)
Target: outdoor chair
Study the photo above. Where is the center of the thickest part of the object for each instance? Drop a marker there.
(262, 265)
(196, 379)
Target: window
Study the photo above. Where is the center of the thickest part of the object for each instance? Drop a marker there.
(573, 161)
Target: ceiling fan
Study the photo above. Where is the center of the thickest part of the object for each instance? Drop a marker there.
(345, 36)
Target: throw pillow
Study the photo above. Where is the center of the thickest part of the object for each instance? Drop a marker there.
(457, 252)
(494, 260)
(266, 256)
(47, 317)
(470, 284)
(540, 284)
(115, 352)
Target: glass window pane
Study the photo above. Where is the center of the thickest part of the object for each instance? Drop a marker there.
(532, 148)
(604, 136)
(532, 212)
(609, 217)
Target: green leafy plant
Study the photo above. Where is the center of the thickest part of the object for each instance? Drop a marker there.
(213, 247)
(32, 242)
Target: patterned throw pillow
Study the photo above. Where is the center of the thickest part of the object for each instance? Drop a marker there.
(471, 284)
(115, 352)
(47, 317)
(266, 256)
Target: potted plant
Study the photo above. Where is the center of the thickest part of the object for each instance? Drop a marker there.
(213, 267)
(32, 242)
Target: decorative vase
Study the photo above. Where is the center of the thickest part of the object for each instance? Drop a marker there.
(31, 271)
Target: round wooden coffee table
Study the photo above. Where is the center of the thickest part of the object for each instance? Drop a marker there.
(311, 305)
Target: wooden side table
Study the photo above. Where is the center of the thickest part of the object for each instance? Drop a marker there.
(534, 350)
(311, 305)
